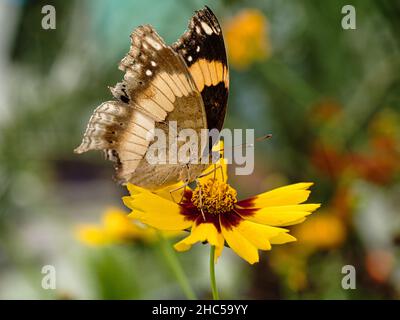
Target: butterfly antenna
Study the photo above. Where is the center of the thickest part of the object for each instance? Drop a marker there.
(262, 138)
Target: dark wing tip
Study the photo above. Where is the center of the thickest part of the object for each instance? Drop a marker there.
(207, 15)
(208, 10)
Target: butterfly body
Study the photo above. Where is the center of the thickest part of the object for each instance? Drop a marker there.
(186, 83)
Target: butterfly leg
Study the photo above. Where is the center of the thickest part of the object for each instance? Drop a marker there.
(201, 200)
(182, 186)
(216, 167)
(198, 185)
(183, 193)
(177, 189)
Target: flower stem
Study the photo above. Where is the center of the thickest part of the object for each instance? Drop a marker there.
(212, 274)
(176, 268)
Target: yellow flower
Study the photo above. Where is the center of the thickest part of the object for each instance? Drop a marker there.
(116, 227)
(212, 213)
(247, 38)
(324, 231)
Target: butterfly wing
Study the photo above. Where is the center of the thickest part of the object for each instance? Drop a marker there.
(156, 88)
(202, 47)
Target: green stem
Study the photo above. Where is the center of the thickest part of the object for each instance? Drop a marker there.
(212, 274)
(176, 268)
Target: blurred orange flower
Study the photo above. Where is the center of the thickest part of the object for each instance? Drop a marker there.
(247, 38)
(380, 163)
(379, 159)
(377, 168)
(342, 204)
(324, 231)
(329, 159)
(379, 264)
(325, 110)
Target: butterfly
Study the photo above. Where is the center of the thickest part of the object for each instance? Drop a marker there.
(187, 82)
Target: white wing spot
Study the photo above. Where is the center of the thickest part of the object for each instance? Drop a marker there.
(148, 72)
(153, 63)
(198, 49)
(198, 30)
(190, 58)
(206, 28)
(153, 43)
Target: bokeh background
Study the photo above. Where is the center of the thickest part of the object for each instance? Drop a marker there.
(330, 97)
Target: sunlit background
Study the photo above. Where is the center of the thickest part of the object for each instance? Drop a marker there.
(329, 96)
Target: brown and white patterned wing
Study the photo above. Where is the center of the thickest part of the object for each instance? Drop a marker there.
(156, 84)
(203, 49)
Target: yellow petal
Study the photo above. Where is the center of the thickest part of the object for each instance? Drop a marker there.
(240, 245)
(200, 233)
(287, 195)
(282, 238)
(216, 171)
(259, 235)
(172, 192)
(310, 207)
(219, 170)
(134, 189)
(277, 217)
(156, 211)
